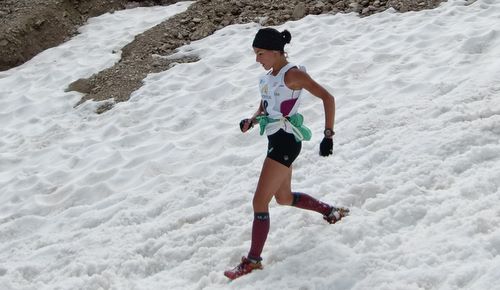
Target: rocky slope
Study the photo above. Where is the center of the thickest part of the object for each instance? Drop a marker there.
(30, 26)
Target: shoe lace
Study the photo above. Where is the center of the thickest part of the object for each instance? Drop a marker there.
(335, 213)
(243, 265)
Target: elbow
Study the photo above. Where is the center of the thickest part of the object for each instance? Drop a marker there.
(329, 99)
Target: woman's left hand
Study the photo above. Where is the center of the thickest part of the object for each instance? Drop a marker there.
(326, 147)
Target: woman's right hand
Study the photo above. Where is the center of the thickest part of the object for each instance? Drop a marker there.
(245, 125)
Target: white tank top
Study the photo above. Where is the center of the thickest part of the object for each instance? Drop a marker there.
(278, 100)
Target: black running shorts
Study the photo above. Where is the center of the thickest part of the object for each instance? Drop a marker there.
(283, 147)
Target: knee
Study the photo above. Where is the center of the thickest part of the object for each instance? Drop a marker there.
(260, 202)
(284, 199)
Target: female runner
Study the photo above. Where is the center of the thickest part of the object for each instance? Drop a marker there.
(278, 116)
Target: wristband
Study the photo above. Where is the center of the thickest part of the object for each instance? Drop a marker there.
(328, 133)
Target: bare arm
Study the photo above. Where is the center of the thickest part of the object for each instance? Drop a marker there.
(259, 111)
(297, 79)
(248, 123)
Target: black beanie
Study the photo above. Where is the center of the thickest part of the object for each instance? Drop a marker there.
(271, 39)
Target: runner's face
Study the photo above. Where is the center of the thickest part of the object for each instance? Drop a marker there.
(265, 57)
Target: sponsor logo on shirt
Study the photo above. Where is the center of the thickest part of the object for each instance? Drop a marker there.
(265, 89)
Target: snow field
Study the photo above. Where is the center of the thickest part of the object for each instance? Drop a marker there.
(156, 193)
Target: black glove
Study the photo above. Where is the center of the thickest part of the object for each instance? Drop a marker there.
(243, 122)
(326, 147)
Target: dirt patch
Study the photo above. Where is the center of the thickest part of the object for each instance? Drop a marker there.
(28, 27)
(43, 28)
(202, 19)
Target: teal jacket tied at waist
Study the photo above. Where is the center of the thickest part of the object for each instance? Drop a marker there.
(296, 122)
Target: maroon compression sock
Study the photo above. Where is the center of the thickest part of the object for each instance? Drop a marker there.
(260, 229)
(302, 200)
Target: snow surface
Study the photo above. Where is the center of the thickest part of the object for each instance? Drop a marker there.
(156, 193)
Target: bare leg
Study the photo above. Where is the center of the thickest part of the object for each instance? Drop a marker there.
(272, 176)
(285, 196)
